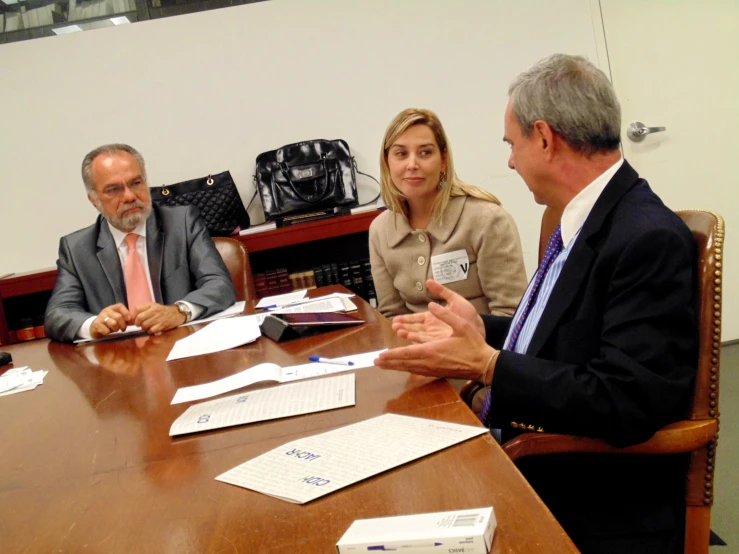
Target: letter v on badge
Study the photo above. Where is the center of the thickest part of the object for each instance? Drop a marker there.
(450, 267)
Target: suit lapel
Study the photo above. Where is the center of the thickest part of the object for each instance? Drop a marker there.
(107, 255)
(578, 263)
(154, 253)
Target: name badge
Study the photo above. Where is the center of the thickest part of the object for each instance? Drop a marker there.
(450, 267)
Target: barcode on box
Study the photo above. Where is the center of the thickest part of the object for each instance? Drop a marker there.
(467, 520)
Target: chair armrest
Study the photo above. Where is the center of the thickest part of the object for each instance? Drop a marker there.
(469, 390)
(676, 438)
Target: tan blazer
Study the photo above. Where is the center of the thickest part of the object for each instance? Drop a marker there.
(401, 258)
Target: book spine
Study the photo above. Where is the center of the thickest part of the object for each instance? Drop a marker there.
(319, 275)
(345, 277)
(309, 279)
(355, 269)
(369, 283)
(260, 285)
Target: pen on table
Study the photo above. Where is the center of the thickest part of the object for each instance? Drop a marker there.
(328, 360)
(272, 307)
(381, 547)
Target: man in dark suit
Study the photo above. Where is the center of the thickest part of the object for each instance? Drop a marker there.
(604, 343)
(153, 267)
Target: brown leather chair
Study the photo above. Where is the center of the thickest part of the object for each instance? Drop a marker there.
(236, 258)
(697, 434)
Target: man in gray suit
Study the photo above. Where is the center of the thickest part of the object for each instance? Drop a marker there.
(153, 267)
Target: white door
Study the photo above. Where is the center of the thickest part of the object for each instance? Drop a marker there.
(675, 63)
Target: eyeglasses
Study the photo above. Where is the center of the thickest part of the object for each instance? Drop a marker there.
(114, 191)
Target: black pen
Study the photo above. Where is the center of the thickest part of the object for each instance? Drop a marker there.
(6, 275)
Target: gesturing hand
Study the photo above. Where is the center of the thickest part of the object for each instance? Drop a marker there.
(426, 327)
(461, 354)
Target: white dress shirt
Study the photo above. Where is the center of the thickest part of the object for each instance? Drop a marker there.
(573, 218)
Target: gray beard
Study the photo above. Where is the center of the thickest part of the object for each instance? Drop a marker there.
(126, 222)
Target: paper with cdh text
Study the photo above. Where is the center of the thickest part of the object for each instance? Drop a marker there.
(265, 404)
(308, 468)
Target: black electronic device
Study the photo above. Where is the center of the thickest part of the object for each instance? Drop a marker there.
(284, 327)
(5, 358)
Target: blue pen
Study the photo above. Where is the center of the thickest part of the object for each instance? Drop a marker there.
(328, 360)
(272, 307)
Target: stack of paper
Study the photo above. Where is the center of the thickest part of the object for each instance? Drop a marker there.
(20, 379)
(277, 402)
(311, 467)
(336, 302)
(272, 372)
(222, 334)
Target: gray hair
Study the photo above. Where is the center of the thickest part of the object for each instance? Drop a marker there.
(108, 149)
(574, 97)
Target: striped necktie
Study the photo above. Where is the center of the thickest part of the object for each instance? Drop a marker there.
(554, 247)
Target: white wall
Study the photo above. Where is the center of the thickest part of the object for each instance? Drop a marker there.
(210, 91)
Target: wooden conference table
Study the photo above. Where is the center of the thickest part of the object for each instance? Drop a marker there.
(87, 465)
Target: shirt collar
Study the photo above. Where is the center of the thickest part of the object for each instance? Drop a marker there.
(120, 236)
(440, 230)
(579, 208)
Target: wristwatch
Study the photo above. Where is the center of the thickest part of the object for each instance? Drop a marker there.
(184, 310)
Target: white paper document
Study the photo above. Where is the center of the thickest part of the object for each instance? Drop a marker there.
(130, 330)
(277, 402)
(272, 372)
(281, 299)
(235, 309)
(311, 467)
(258, 228)
(323, 304)
(20, 379)
(217, 336)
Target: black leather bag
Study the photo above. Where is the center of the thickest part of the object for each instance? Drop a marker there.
(306, 177)
(216, 197)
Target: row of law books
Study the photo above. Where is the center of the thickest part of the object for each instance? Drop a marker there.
(356, 275)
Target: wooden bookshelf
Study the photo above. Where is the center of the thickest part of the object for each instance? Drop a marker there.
(15, 289)
(309, 232)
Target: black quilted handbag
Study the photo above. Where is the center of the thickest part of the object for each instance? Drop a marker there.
(306, 177)
(216, 197)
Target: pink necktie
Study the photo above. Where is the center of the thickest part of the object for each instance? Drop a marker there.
(137, 287)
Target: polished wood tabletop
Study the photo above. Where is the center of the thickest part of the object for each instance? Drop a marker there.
(87, 463)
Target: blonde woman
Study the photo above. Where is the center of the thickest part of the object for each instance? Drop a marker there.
(437, 227)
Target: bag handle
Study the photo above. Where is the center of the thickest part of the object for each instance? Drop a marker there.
(285, 171)
(208, 181)
(376, 198)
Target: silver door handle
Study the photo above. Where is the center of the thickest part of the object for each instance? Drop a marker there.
(637, 131)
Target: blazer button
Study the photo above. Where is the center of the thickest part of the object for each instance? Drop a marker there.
(421, 260)
(422, 238)
(419, 285)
